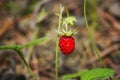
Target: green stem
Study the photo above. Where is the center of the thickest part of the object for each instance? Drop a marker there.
(91, 38)
(17, 48)
(56, 60)
(26, 64)
(57, 40)
(13, 47)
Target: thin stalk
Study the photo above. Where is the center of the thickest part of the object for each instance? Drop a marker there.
(30, 50)
(26, 64)
(57, 40)
(91, 38)
(13, 47)
(56, 60)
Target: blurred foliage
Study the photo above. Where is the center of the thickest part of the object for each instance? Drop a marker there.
(12, 7)
(91, 8)
(20, 7)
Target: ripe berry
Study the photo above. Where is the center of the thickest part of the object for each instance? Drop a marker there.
(66, 44)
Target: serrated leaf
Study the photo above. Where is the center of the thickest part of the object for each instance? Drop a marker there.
(98, 73)
(70, 20)
(94, 74)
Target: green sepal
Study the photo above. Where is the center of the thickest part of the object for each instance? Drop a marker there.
(70, 20)
(57, 14)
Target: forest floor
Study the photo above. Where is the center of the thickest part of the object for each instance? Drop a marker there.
(20, 20)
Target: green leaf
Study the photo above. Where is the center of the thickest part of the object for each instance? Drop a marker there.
(94, 74)
(34, 42)
(98, 73)
(74, 75)
(69, 20)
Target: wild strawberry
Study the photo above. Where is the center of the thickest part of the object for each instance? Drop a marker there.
(66, 41)
(66, 44)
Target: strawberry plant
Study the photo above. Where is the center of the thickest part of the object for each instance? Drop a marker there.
(64, 40)
(67, 45)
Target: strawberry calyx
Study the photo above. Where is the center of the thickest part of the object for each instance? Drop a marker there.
(67, 31)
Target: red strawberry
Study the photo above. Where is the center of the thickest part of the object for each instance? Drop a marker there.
(66, 44)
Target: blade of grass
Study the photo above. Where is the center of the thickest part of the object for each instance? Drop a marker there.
(91, 37)
(34, 42)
